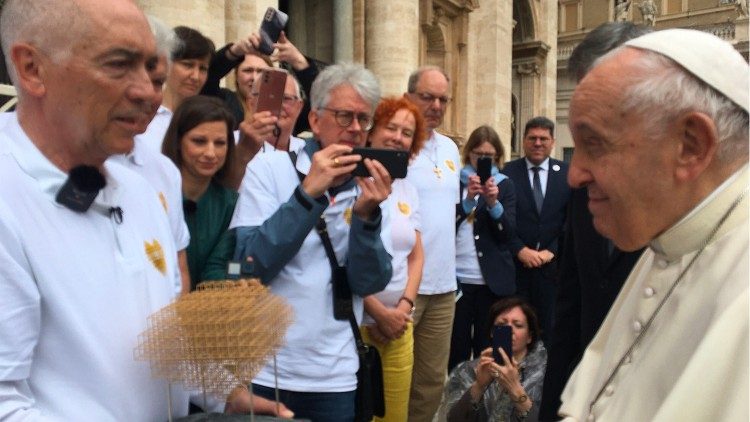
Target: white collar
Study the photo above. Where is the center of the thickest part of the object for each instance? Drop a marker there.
(544, 164)
(48, 176)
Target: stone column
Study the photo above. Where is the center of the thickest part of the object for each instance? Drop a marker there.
(343, 31)
(489, 89)
(529, 99)
(392, 42)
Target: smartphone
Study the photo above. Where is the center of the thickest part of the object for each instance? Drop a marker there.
(484, 168)
(271, 91)
(273, 23)
(395, 161)
(502, 337)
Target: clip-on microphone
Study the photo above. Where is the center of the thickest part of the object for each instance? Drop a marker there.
(81, 188)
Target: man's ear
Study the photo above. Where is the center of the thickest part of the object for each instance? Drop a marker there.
(29, 68)
(699, 141)
(312, 118)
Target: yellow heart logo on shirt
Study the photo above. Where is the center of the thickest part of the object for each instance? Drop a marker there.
(155, 254)
(450, 165)
(348, 215)
(404, 208)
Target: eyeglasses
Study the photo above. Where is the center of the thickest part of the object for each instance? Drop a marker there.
(479, 155)
(429, 98)
(290, 100)
(345, 118)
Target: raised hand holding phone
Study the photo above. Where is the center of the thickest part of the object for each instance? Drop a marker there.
(273, 23)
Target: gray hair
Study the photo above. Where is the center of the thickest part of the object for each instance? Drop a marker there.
(166, 40)
(297, 88)
(354, 75)
(49, 25)
(411, 86)
(660, 90)
(598, 42)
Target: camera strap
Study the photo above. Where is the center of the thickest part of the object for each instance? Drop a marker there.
(322, 229)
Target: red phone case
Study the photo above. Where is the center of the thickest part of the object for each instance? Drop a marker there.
(271, 91)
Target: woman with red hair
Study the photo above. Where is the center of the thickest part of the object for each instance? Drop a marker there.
(398, 124)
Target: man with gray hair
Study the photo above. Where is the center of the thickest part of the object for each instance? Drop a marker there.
(435, 174)
(78, 280)
(86, 253)
(661, 133)
(159, 170)
(289, 204)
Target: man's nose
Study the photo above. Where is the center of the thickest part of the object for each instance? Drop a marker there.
(142, 87)
(578, 175)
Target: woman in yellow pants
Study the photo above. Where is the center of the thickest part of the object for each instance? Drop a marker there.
(387, 322)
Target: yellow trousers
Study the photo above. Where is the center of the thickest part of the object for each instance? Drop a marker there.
(398, 360)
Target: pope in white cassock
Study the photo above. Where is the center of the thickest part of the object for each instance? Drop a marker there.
(661, 134)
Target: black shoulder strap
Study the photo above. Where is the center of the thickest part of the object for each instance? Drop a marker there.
(460, 214)
(322, 230)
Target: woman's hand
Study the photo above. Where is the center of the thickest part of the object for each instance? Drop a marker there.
(392, 323)
(244, 46)
(287, 52)
(375, 189)
(509, 377)
(490, 191)
(474, 188)
(376, 335)
(487, 370)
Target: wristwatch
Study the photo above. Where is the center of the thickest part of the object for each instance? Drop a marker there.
(522, 398)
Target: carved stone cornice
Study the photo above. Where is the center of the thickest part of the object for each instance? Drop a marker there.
(535, 51)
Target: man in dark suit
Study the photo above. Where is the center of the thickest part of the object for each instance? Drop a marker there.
(541, 204)
(592, 269)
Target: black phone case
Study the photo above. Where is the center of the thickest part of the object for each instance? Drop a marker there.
(484, 168)
(502, 336)
(273, 23)
(396, 162)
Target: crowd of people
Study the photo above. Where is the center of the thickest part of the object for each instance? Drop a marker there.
(129, 176)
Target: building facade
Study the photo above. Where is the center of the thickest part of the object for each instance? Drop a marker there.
(726, 19)
(506, 58)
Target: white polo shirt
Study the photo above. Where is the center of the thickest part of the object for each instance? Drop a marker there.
(435, 174)
(165, 178)
(76, 290)
(403, 207)
(154, 134)
(319, 354)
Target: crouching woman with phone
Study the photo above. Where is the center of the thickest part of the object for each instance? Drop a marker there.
(485, 390)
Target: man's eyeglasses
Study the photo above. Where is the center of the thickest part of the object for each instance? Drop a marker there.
(429, 98)
(290, 100)
(345, 118)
